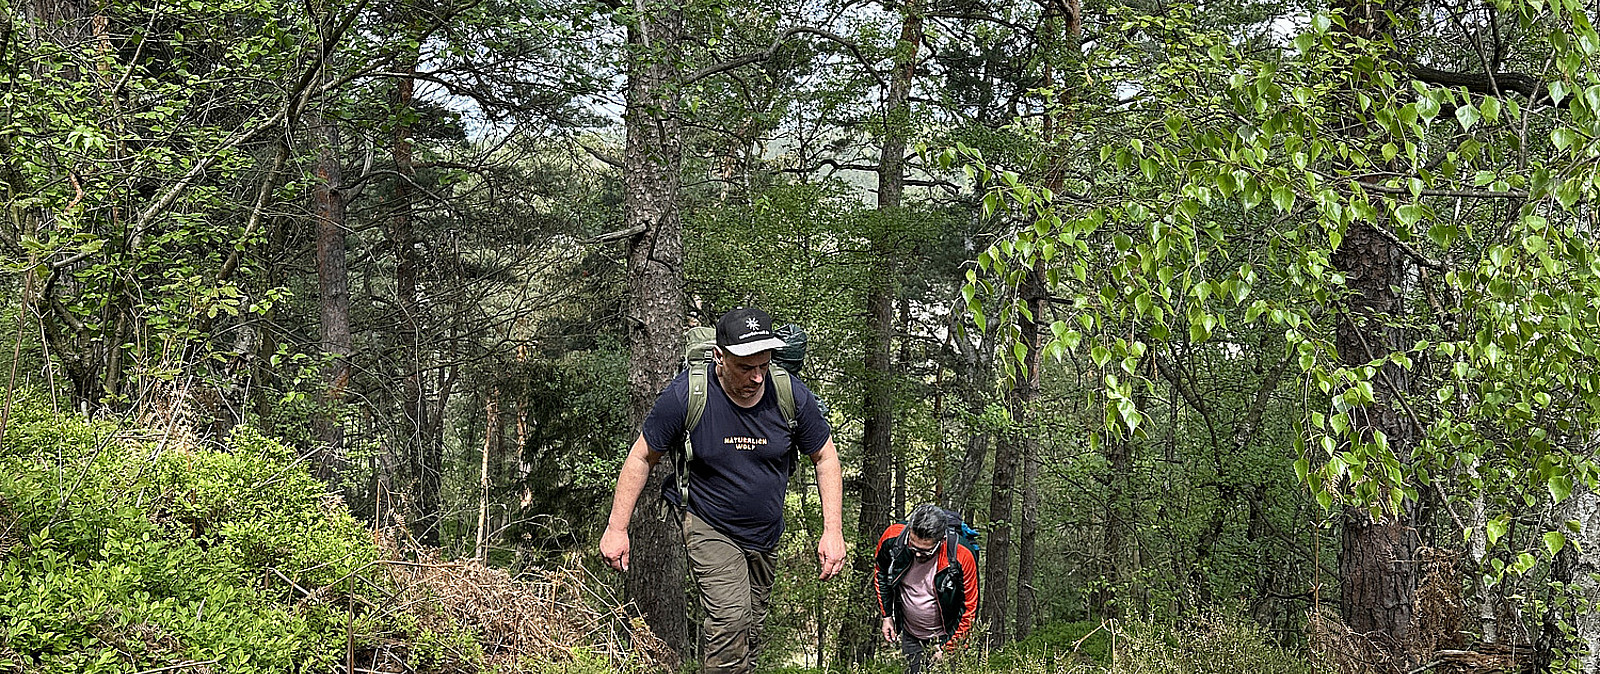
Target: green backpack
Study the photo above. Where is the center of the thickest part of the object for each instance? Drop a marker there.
(699, 344)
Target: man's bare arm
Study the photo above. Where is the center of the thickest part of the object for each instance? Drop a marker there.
(830, 485)
(630, 482)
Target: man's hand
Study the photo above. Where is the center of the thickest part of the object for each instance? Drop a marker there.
(830, 554)
(614, 548)
(936, 655)
(888, 630)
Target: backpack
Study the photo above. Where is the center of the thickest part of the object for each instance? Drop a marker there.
(957, 532)
(699, 344)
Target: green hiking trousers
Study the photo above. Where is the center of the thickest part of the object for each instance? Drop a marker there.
(734, 585)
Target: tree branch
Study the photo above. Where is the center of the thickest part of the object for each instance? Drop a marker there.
(757, 57)
(1497, 84)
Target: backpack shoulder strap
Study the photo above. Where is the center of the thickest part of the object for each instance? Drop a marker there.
(696, 408)
(693, 410)
(951, 541)
(783, 383)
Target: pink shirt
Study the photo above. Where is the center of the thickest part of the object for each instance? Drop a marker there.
(918, 600)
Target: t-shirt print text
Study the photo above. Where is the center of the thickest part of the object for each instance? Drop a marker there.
(744, 444)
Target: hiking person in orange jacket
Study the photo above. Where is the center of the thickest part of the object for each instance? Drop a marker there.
(927, 586)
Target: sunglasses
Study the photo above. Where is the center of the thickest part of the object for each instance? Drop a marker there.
(922, 552)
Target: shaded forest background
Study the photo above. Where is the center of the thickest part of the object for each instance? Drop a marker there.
(1283, 310)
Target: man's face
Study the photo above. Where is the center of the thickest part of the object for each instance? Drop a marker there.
(923, 548)
(744, 377)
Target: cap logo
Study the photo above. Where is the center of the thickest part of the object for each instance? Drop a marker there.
(752, 323)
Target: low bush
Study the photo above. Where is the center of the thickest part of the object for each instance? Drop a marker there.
(125, 550)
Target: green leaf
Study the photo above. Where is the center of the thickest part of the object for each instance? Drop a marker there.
(1490, 108)
(1496, 528)
(1562, 138)
(1554, 541)
(1283, 198)
(1560, 487)
(1467, 115)
(1525, 563)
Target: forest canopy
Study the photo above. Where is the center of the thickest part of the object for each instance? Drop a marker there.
(1265, 322)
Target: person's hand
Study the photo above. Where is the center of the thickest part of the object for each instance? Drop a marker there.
(937, 655)
(830, 555)
(614, 548)
(888, 630)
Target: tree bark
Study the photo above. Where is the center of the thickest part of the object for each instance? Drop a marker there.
(1377, 568)
(1024, 396)
(416, 444)
(653, 156)
(858, 634)
(1583, 568)
(1377, 572)
(997, 557)
(334, 291)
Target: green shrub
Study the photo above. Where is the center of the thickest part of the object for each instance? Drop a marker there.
(122, 552)
(1209, 644)
(1058, 646)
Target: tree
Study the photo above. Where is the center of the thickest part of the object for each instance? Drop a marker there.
(655, 291)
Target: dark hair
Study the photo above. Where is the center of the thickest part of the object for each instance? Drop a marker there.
(928, 521)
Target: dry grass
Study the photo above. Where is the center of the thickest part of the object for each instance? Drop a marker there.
(473, 616)
(1437, 642)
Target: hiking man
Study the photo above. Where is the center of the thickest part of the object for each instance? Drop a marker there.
(743, 451)
(927, 584)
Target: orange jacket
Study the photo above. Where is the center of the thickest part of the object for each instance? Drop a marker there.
(955, 583)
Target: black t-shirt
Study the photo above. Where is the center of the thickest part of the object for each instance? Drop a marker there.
(742, 457)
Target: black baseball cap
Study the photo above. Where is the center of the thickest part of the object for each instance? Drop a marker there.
(745, 331)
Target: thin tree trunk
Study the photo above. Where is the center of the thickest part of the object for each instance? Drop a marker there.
(654, 153)
(491, 433)
(1377, 567)
(1377, 571)
(414, 445)
(974, 369)
(1025, 396)
(997, 557)
(1581, 569)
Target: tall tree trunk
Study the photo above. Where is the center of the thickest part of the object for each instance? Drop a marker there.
(334, 291)
(1377, 571)
(974, 375)
(1118, 526)
(857, 636)
(1579, 564)
(1377, 568)
(654, 153)
(997, 558)
(1024, 396)
(414, 445)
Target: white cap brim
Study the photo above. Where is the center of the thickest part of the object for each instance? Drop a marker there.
(751, 348)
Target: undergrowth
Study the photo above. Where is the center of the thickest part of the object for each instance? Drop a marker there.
(128, 550)
(1209, 644)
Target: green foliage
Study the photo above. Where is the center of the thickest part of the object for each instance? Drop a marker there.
(1223, 196)
(1062, 645)
(125, 552)
(581, 661)
(1207, 645)
(1211, 644)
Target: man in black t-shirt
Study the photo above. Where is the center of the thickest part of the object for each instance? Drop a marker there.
(744, 452)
